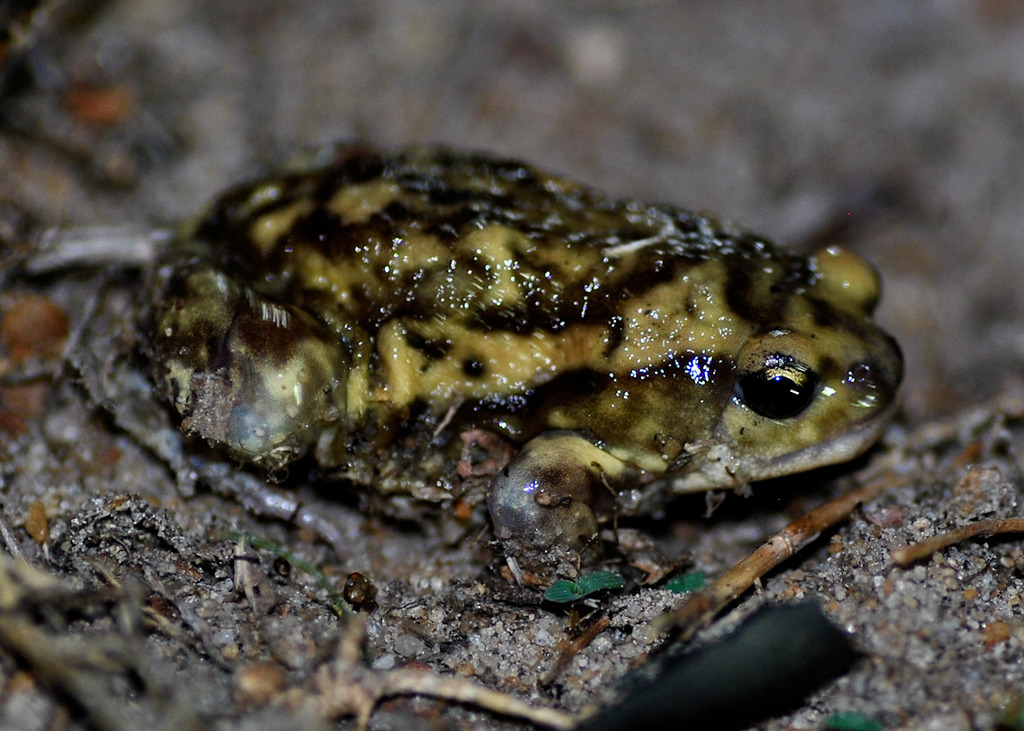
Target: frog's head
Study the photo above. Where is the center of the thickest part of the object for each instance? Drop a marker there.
(814, 386)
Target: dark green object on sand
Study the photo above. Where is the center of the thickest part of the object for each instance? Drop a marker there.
(763, 669)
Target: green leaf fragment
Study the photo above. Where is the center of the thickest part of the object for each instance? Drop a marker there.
(687, 582)
(601, 580)
(564, 591)
(851, 722)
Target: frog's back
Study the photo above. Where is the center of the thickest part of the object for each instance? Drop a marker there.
(472, 275)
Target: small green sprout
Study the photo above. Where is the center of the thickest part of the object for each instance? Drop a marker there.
(564, 591)
(336, 602)
(851, 721)
(687, 582)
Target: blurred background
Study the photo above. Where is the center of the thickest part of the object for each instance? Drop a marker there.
(895, 129)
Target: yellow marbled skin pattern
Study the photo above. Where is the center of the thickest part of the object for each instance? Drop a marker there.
(376, 307)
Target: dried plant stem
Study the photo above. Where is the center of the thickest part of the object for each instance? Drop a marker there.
(347, 687)
(981, 529)
(419, 682)
(702, 606)
(574, 648)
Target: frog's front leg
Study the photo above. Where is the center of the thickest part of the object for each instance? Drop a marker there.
(547, 502)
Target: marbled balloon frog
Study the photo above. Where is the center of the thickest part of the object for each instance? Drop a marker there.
(439, 326)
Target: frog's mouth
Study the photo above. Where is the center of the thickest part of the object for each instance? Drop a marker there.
(831, 451)
(717, 466)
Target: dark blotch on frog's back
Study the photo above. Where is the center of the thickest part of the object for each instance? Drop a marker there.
(450, 196)
(749, 292)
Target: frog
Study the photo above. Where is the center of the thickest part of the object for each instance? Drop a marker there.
(455, 329)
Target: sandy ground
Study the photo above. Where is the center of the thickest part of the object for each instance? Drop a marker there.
(893, 128)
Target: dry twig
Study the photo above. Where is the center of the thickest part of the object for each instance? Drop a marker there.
(79, 668)
(702, 606)
(347, 687)
(981, 529)
(574, 648)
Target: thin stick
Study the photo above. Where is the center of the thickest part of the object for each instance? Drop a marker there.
(574, 648)
(425, 683)
(8, 538)
(702, 606)
(982, 529)
(347, 687)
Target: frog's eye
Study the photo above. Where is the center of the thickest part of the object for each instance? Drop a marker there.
(781, 389)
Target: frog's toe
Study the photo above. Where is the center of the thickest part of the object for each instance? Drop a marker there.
(545, 503)
(540, 521)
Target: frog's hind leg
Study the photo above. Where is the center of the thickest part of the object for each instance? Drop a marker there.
(546, 504)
